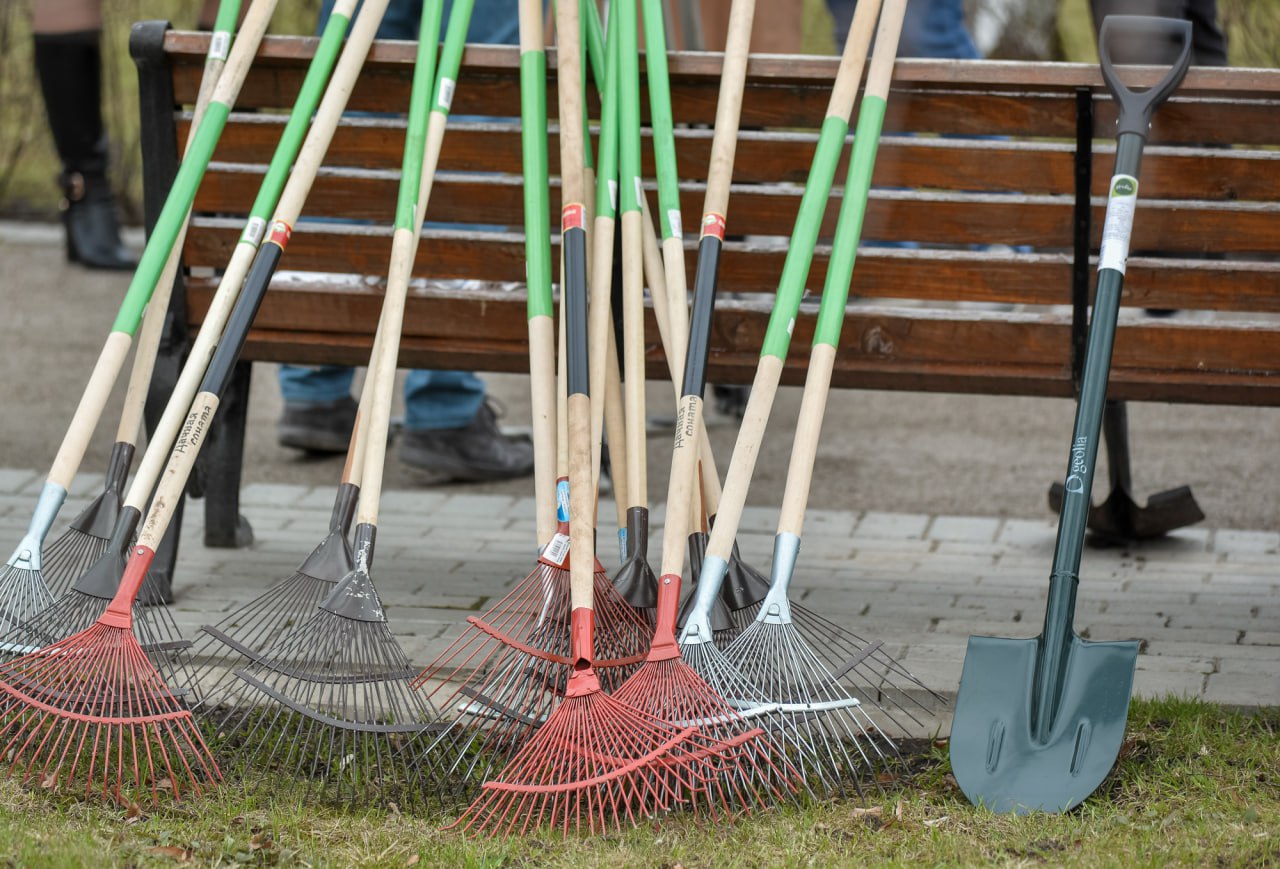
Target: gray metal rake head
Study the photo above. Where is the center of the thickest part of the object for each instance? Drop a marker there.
(331, 702)
(89, 534)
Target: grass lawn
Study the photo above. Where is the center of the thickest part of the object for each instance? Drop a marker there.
(1195, 785)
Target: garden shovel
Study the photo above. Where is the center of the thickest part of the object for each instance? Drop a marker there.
(1039, 722)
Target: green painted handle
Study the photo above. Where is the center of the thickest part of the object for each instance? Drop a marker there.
(795, 269)
(607, 163)
(424, 69)
(224, 22)
(455, 40)
(537, 205)
(844, 248)
(629, 109)
(660, 118)
(172, 217)
(295, 130)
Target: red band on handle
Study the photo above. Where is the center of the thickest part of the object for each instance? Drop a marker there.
(281, 232)
(573, 216)
(713, 224)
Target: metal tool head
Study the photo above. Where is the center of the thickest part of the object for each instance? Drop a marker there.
(635, 580)
(996, 756)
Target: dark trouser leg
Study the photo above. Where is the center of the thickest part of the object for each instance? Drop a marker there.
(69, 68)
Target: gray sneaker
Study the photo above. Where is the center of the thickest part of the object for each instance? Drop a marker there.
(317, 427)
(477, 452)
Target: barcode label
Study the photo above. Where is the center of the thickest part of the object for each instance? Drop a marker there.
(1118, 227)
(677, 227)
(220, 45)
(446, 92)
(556, 552)
(253, 231)
(613, 194)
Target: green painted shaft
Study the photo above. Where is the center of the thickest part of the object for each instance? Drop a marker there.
(607, 164)
(424, 69)
(172, 217)
(300, 118)
(537, 206)
(660, 118)
(227, 16)
(795, 268)
(455, 39)
(844, 248)
(629, 108)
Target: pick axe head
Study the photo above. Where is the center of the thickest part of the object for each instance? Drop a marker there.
(996, 757)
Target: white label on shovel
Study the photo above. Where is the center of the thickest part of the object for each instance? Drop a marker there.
(1121, 203)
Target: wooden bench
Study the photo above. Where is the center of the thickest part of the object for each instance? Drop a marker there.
(997, 170)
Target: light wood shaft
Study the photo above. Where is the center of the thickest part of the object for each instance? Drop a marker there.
(733, 77)
(89, 410)
(745, 453)
(329, 112)
(531, 35)
(634, 355)
(582, 557)
(562, 388)
(880, 73)
(598, 328)
(849, 75)
(243, 49)
(677, 297)
(542, 373)
(684, 458)
(178, 469)
(569, 90)
(804, 449)
(615, 422)
(354, 471)
(383, 372)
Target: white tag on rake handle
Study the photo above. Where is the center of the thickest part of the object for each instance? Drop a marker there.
(556, 552)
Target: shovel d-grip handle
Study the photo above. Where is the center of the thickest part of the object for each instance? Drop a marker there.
(1137, 107)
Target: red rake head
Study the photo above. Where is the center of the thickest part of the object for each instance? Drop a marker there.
(596, 764)
(755, 775)
(93, 708)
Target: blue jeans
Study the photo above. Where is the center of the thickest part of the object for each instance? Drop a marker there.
(433, 399)
(931, 28)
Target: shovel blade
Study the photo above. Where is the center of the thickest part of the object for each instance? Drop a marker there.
(995, 756)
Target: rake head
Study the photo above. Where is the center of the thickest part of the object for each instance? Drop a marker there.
(80, 607)
(722, 622)
(272, 615)
(841, 745)
(865, 667)
(23, 594)
(92, 711)
(634, 580)
(595, 765)
(331, 702)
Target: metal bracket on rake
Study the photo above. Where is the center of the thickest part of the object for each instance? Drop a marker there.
(307, 675)
(1119, 518)
(653, 758)
(858, 659)
(552, 657)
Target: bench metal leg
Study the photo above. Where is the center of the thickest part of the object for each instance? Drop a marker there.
(221, 462)
(1120, 518)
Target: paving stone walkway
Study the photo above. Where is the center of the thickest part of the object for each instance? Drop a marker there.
(1205, 602)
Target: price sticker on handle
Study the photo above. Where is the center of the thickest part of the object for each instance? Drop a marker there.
(1118, 227)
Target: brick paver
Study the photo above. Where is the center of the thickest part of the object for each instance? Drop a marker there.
(1205, 603)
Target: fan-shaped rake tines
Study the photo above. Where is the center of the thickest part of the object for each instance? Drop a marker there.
(331, 702)
(92, 709)
(846, 747)
(83, 604)
(505, 687)
(87, 537)
(597, 764)
(265, 620)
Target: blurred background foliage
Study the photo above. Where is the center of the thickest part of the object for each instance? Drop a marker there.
(1010, 29)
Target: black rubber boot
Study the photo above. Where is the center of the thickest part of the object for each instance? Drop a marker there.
(69, 68)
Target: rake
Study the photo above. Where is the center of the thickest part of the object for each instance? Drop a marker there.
(341, 708)
(831, 737)
(83, 602)
(595, 761)
(500, 677)
(85, 539)
(22, 583)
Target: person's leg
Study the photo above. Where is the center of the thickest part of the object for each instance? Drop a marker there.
(450, 430)
(68, 58)
(319, 411)
(936, 28)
